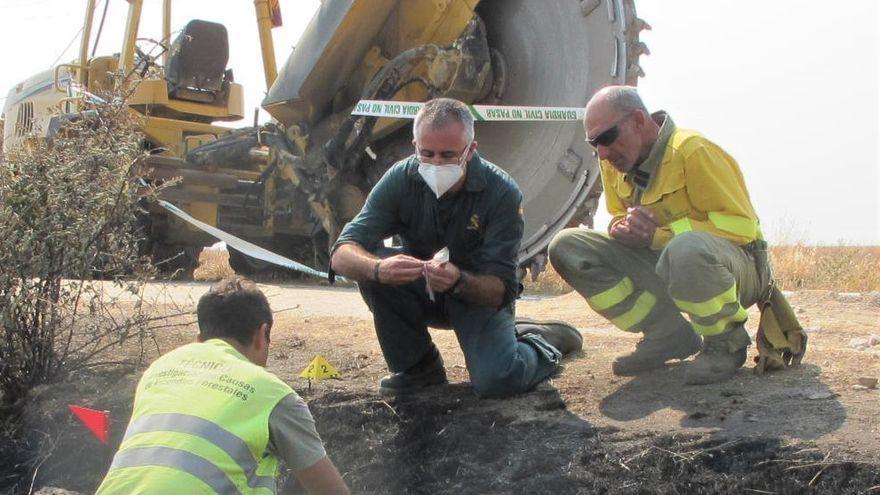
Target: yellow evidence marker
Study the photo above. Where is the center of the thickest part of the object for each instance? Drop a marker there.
(319, 369)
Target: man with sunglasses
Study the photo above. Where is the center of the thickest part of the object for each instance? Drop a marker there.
(684, 238)
(459, 220)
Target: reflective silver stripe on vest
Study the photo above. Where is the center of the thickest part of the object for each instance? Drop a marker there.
(182, 460)
(202, 428)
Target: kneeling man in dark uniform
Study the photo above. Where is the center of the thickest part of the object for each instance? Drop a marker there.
(459, 219)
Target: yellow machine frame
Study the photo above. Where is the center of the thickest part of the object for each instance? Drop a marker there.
(175, 135)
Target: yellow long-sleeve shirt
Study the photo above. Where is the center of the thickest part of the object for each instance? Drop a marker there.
(692, 184)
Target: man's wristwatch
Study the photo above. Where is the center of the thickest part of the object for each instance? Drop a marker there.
(458, 287)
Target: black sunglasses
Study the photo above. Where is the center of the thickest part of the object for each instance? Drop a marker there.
(605, 138)
(608, 136)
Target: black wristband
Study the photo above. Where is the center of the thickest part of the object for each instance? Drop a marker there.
(376, 270)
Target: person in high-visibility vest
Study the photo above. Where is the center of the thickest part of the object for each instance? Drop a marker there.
(208, 417)
(684, 238)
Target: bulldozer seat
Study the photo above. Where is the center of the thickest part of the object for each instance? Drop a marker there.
(197, 65)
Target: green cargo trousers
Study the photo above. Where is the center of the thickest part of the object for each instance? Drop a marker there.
(707, 277)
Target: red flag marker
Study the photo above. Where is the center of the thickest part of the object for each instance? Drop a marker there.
(98, 422)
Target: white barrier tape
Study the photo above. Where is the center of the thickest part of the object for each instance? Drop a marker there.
(495, 113)
(244, 246)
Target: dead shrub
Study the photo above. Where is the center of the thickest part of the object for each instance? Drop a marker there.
(68, 215)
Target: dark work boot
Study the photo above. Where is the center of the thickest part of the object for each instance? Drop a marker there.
(564, 337)
(722, 355)
(427, 372)
(656, 348)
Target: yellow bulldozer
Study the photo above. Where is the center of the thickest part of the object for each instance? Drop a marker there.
(291, 184)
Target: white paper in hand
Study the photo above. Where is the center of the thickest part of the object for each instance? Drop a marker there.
(428, 283)
(442, 256)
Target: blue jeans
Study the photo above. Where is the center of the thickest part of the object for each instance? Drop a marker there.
(499, 363)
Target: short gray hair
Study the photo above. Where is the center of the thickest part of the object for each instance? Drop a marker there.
(625, 99)
(441, 111)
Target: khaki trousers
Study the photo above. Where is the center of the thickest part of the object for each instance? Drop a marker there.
(710, 279)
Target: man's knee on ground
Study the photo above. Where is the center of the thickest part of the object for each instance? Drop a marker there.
(492, 383)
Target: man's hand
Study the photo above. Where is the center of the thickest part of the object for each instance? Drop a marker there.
(442, 276)
(485, 290)
(400, 269)
(637, 227)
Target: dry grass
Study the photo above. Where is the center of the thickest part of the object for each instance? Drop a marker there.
(213, 265)
(549, 282)
(836, 268)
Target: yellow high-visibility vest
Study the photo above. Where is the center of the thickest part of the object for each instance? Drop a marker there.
(200, 425)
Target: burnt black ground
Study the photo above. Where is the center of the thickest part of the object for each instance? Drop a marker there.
(448, 441)
(455, 443)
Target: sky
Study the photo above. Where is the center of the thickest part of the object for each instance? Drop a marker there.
(789, 88)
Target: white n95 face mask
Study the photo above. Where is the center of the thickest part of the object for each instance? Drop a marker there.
(440, 178)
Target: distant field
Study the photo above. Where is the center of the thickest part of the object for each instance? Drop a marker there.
(837, 268)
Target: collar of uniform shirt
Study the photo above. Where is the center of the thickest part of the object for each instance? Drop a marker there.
(641, 174)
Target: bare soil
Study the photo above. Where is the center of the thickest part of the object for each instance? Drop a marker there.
(802, 430)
